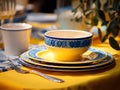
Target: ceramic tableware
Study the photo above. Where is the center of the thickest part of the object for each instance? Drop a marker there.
(30, 63)
(67, 45)
(42, 55)
(16, 37)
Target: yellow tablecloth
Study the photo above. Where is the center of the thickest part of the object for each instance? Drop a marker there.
(107, 79)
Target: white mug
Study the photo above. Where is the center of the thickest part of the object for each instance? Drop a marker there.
(16, 37)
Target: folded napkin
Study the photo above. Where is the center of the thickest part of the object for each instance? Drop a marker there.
(5, 64)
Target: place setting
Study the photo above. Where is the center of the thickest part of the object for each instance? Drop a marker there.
(66, 51)
(63, 51)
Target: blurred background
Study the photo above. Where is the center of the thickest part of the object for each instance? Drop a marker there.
(95, 16)
(42, 14)
(33, 7)
(44, 6)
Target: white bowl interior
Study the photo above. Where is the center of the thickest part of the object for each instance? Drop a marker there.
(68, 34)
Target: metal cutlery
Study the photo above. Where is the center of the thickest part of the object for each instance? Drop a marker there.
(18, 69)
(12, 63)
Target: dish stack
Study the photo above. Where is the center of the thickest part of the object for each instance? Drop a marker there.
(41, 58)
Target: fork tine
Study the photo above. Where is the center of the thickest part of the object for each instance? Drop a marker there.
(20, 70)
(16, 68)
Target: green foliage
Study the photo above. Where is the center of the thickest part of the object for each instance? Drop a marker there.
(98, 13)
(114, 43)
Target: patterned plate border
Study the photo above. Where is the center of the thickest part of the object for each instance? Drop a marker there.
(32, 55)
(108, 62)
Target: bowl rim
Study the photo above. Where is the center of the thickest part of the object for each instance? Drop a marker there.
(65, 38)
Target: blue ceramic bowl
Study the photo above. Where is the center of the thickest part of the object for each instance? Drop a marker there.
(68, 45)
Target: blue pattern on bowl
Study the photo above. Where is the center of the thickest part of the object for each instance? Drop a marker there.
(68, 43)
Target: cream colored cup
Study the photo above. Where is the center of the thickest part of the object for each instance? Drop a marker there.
(16, 37)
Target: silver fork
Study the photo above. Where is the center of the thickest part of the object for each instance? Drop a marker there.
(18, 69)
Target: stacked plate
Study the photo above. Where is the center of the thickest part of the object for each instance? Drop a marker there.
(41, 58)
